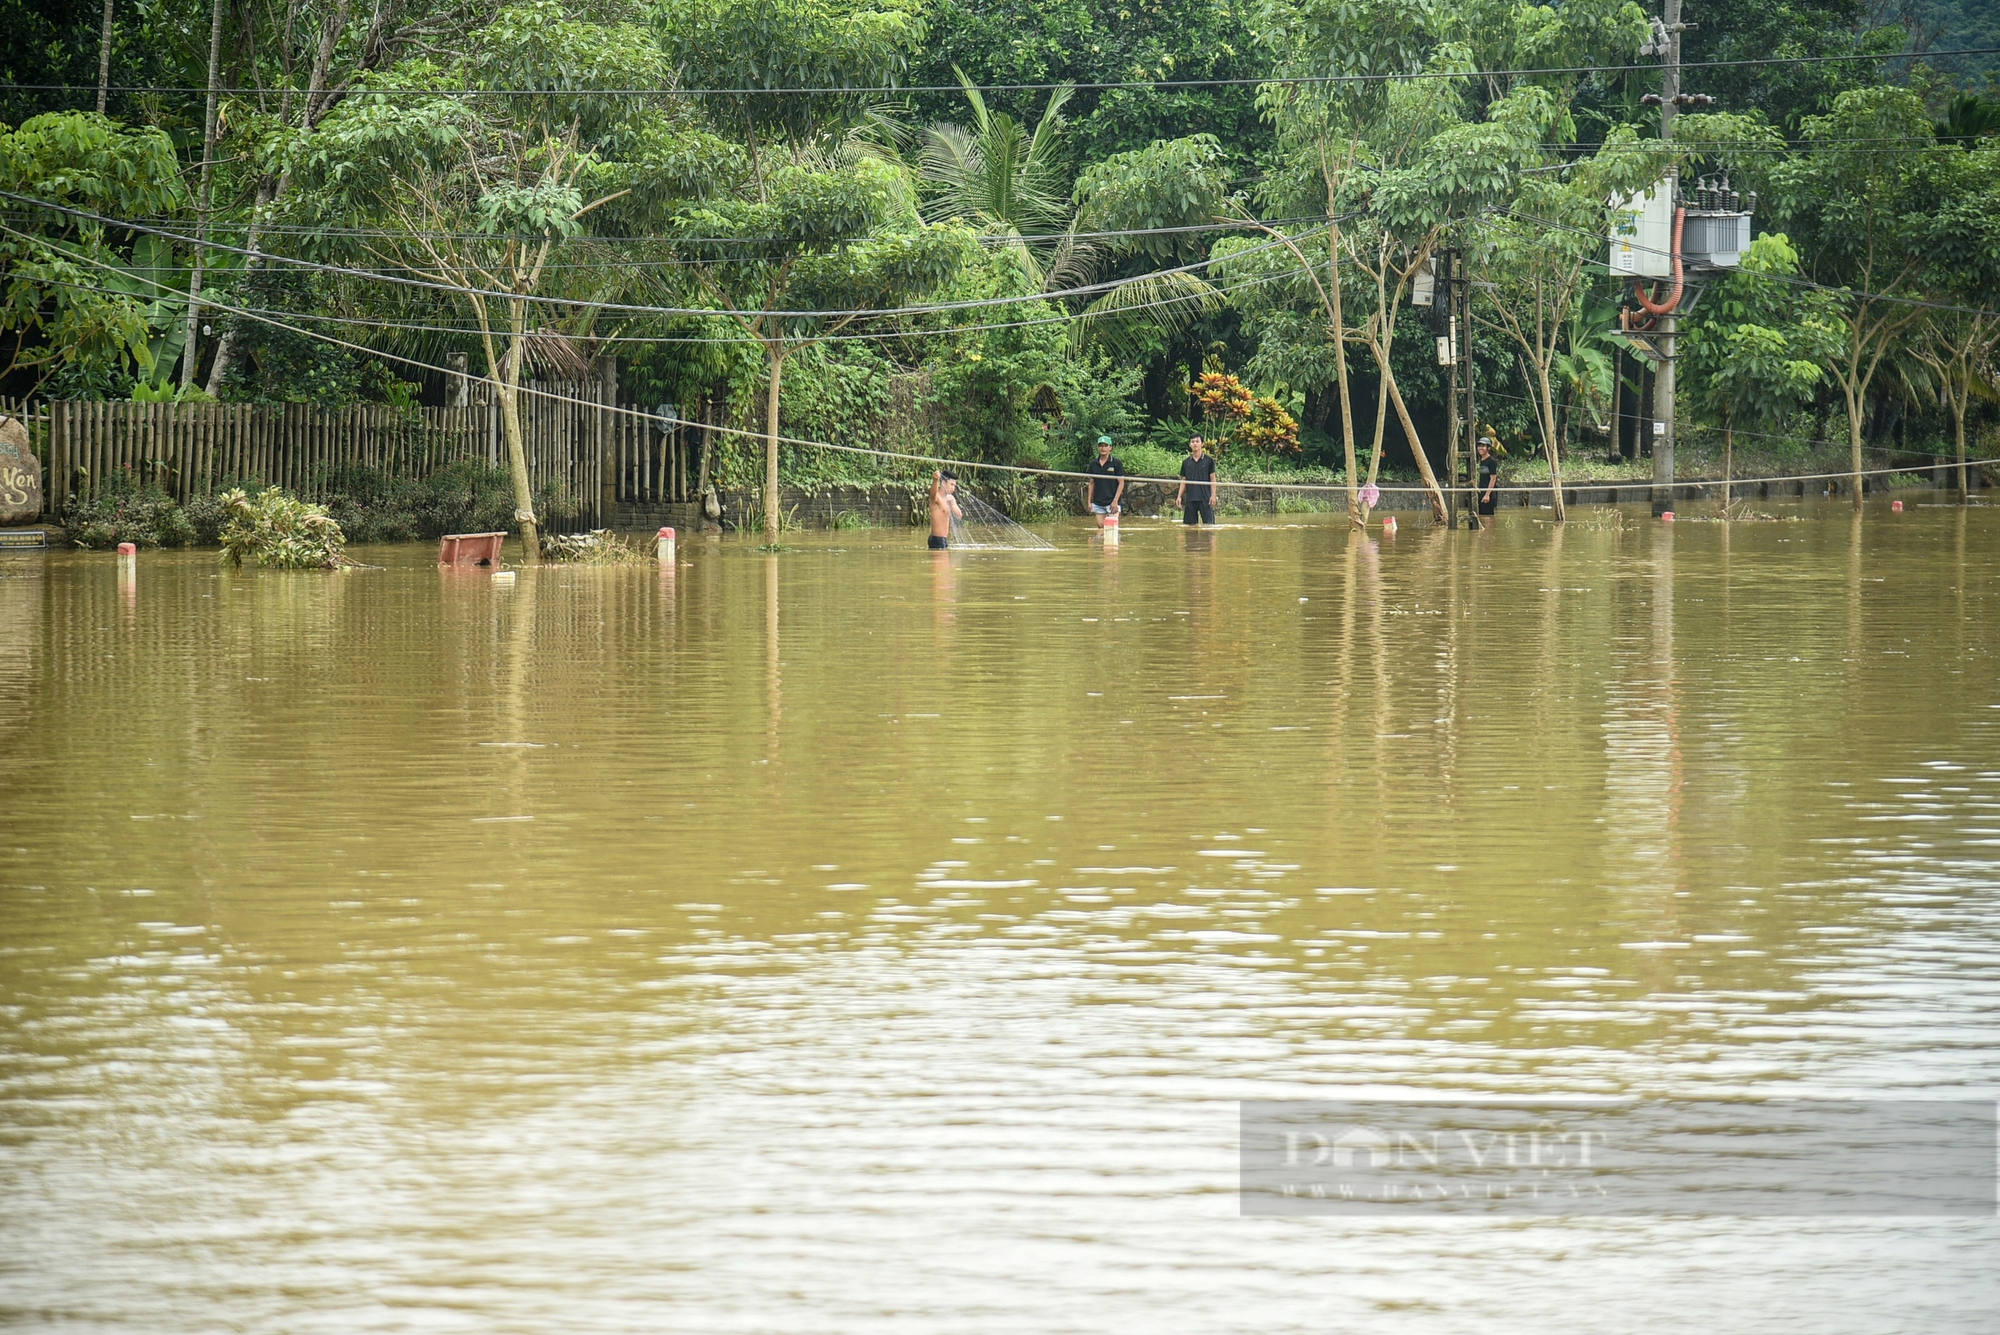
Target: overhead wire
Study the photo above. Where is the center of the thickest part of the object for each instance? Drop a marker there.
(1302, 80)
(626, 308)
(473, 331)
(975, 464)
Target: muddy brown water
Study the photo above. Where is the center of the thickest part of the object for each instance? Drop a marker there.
(857, 940)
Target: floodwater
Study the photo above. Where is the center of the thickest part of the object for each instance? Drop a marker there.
(859, 940)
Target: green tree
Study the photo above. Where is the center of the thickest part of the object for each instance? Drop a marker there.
(1758, 346)
(1959, 347)
(804, 250)
(1423, 170)
(311, 55)
(1321, 141)
(1863, 203)
(853, 50)
(480, 194)
(1149, 42)
(71, 297)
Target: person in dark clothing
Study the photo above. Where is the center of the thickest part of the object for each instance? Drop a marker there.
(1196, 496)
(1489, 477)
(1107, 482)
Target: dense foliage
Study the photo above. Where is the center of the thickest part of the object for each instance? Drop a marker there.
(920, 253)
(275, 528)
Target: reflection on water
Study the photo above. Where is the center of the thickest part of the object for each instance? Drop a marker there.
(857, 938)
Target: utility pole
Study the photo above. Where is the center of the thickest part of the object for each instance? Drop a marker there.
(1663, 379)
(1471, 374)
(1448, 273)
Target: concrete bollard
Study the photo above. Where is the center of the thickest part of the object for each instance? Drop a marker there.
(1896, 507)
(503, 578)
(128, 549)
(1667, 517)
(665, 546)
(1388, 526)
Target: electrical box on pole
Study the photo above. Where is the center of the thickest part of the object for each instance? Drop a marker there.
(1423, 283)
(1424, 286)
(1642, 233)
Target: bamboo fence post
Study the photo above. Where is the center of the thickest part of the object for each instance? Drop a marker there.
(59, 455)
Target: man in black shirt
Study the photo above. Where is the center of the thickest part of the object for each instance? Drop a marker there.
(1107, 482)
(1196, 496)
(1489, 477)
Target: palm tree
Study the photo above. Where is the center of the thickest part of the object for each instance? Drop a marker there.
(1001, 179)
(1010, 185)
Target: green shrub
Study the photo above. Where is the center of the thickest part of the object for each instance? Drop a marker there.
(207, 518)
(277, 529)
(128, 510)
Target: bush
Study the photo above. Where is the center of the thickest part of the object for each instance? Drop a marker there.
(127, 510)
(277, 529)
(207, 518)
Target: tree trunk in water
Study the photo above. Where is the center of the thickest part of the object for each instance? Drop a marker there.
(1958, 406)
(1548, 407)
(1356, 515)
(517, 464)
(191, 354)
(1438, 511)
(1853, 441)
(1728, 450)
(773, 519)
(506, 377)
(104, 60)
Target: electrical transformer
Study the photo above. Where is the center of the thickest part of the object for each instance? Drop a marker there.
(1716, 229)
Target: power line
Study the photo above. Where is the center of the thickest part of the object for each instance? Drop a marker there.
(1104, 86)
(304, 229)
(884, 335)
(624, 308)
(1345, 486)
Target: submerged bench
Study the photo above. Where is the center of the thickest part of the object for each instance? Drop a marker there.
(470, 549)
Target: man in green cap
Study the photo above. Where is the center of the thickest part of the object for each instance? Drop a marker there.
(1107, 482)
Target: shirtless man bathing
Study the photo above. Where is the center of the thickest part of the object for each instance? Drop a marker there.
(944, 508)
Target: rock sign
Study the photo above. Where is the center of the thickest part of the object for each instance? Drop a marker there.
(20, 474)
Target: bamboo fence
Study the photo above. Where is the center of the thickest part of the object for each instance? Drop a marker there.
(191, 450)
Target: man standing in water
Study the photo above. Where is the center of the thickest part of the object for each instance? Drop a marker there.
(1489, 479)
(1107, 482)
(1198, 470)
(944, 508)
